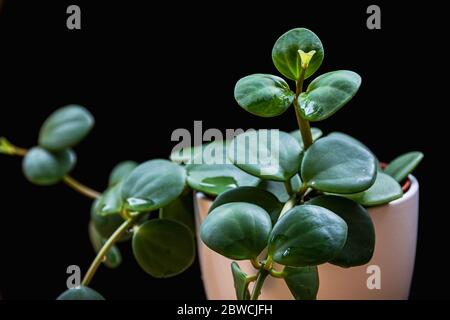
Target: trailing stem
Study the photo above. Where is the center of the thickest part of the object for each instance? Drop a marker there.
(303, 125)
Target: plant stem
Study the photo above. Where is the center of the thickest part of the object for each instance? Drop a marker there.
(104, 250)
(276, 274)
(288, 205)
(262, 275)
(255, 263)
(8, 148)
(303, 125)
(288, 186)
(81, 188)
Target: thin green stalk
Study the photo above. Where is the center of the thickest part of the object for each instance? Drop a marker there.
(262, 275)
(303, 125)
(81, 188)
(104, 250)
(288, 186)
(288, 205)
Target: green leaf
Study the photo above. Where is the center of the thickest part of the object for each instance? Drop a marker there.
(384, 190)
(240, 282)
(65, 128)
(315, 132)
(181, 210)
(254, 195)
(267, 154)
(339, 166)
(278, 189)
(307, 235)
(263, 95)
(105, 224)
(113, 256)
(163, 248)
(110, 202)
(153, 185)
(237, 230)
(121, 171)
(211, 172)
(285, 55)
(327, 94)
(344, 136)
(402, 166)
(80, 293)
(43, 167)
(360, 244)
(303, 282)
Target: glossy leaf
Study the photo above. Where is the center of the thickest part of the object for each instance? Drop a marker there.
(113, 258)
(110, 202)
(285, 54)
(278, 189)
(80, 293)
(240, 282)
(307, 235)
(360, 244)
(315, 132)
(121, 171)
(267, 154)
(350, 139)
(384, 190)
(65, 128)
(105, 224)
(212, 173)
(182, 210)
(303, 282)
(254, 195)
(237, 230)
(43, 167)
(340, 166)
(163, 248)
(263, 95)
(402, 166)
(327, 94)
(153, 185)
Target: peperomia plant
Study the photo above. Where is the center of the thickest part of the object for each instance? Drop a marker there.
(163, 245)
(299, 200)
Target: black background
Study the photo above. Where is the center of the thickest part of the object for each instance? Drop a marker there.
(144, 71)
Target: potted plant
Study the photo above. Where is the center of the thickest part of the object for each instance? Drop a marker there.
(291, 208)
(163, 245)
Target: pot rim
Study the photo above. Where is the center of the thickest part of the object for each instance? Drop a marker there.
(412, 190)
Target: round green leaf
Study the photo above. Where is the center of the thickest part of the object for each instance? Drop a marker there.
(360, 244)
(237, 230)
(285, 54)
(254, 195)
(315, 132)
(181, 210)
(113, 257)
(307, 235)
(211, 172)
(105, 224)
(43, 167)
(152, 185)
(240, 282)
(384, 190)
(402, 166)
(65, 128)
(327, 94)
(278, 189)
(121, 171)
(80, 293)
(263, 95)
(339, 166)
(303, 282)
(352, 140)
(163, 248)
(110, 202)
(267, 154)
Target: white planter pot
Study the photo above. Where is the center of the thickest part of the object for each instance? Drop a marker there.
(395, 249)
